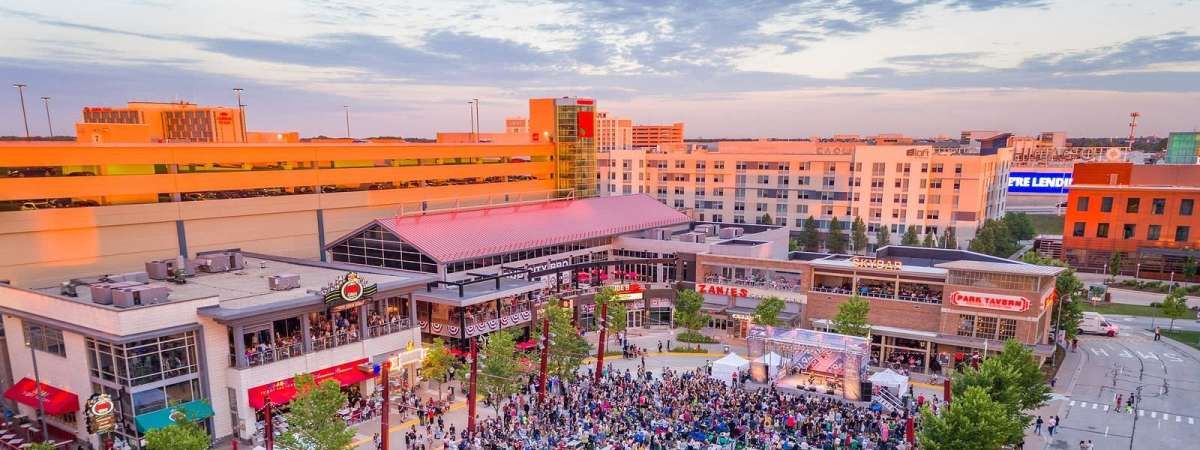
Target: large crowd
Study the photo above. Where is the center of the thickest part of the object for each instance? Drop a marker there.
(679, 410)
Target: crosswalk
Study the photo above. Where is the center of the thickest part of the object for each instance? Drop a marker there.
(1154, 415)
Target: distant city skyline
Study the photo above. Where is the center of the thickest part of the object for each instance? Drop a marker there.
(786, 69)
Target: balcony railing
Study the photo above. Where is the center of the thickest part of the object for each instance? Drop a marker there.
(270, 354)
(335, 340)
(762, 283)
(384, 329)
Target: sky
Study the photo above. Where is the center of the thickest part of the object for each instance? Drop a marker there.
(749, 68)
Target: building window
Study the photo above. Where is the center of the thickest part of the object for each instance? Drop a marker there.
(1152, 234)
(1081, 204)
(1008, 329)
(1158, 206)
(44, 338)
(1079, 228)
(1185, 206)
(1128, 231)
(1131, 206)
(1181, 233)
(1106, 204)
(966, 325)
(985, 327)
(1102, 230)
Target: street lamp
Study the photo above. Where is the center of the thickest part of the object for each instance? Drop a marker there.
(21, 92)
(49, 124)
(37, 381)
(1137, 271)
(237, 92)
(347, 108)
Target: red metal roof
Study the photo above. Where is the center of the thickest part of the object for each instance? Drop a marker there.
(456, 236)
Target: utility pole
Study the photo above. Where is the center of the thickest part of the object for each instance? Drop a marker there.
(472, 394)
(241, 111)
(545, 369)
(385, 369)
(1137, 403)
(21, 92)
(603, 336)
(1133, 116)
(49, 124)
(347, 108)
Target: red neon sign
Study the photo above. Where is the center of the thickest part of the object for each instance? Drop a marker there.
(997, 302)
(722, 290)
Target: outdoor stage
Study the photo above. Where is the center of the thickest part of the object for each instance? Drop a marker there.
(808, 360)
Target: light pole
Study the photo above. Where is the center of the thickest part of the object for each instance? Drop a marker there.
(49, 124)
(384, 440)
(475, 118)
(1137, 271)
(472, 393)
(544, 369)
(37, 380)
(21, 92)
(347, 108)
(603, 337)
(237, 92)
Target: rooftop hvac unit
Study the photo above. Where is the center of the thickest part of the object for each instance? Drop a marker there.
(283, 281)
(101, 293)
(658, 234)
(140, 277)
(139, 295)
(692, 237)
(731, 232)
(707, 229)
(221, 261)
(159, 270)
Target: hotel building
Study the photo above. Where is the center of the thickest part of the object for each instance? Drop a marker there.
(613, 133)
(569, 123)
(894, 186)
(658, 136)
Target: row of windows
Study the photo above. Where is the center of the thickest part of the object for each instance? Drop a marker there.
(524, 255)
(970, 325)
(1133, 205)
(876, 168)
(44, 338)
(1130, 231)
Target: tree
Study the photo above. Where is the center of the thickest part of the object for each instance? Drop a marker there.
(767, 311)
(949, 239)
(438, 363)
(910, 237)
(794, 245)
(313, 420)
(43, 446)
(498, 366)
(993, 238)
(687, 310)
(1070, 292)
(1174, 306)
(1019, 225)
(1012, 379)
(858, 236)
(851, 317)
(766, 219)
(835, 240)
(882, 237)
(618, 314)
(930, 241)
(1189, 268)
(973, 421)
(1114, 264)
(810, 235)
(181, 435)
(567, 347)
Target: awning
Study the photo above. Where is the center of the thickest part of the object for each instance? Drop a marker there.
(195, 410)
(283, 391)
(56, 401)
(526, 345)
(353, 377)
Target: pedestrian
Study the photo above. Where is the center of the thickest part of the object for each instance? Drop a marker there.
(378, 442)
(1118, 407)
(669, 344)
(1050, 424)
(660, 346)
(1037, 427)
(1074, 344)
(1157, 334)
(1052, 381)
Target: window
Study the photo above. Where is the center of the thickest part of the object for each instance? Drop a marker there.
(680, 164)
(966, 325)
(1185, 206)
(1106, 204)
(1131, 206)
(1081, 204)
(1079, 228)
(44, 338)
(1154, 232)
(1128, 231)
(1008, 329)
(1181, 233)
(985, 327)
(1102, 230)
(718, 164)
(1158, 206)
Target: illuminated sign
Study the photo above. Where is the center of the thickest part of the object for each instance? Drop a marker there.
(626, 296)
(224, 118)
(549, 265)
(834, 151)
(741, 317)
(1039, 182)
(100, 411)
(347, 289)
(875, 263)
(918, 152)
(1049, 300)
(722, 290)
(997, 302)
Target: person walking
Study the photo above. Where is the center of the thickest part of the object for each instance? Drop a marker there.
(1157, 334)
(1037, 426)
(1050, 424)
(1074, 344)
(1117, 408)
(660, 346)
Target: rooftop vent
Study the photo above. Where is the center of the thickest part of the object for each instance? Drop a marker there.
(283, 281)
(692, 237)
(220, 261)
(731, 232)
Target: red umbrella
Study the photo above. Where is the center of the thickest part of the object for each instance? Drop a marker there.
(526, 345)
(583, 275)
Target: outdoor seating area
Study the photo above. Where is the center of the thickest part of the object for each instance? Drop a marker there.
(776, 283)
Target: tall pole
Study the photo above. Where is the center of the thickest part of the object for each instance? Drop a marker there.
(471, 118)
(241, 111)
(471, 394)
(347, 108)
(386, 368)
(475, 119)
(545, 368)
(37, 380)
(49, 124)
(21, 92)
(603, 337)
(268, 423)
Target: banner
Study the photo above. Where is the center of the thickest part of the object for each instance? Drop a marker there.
(1039, 182)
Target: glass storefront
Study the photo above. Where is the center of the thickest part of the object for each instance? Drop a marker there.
(659, 317)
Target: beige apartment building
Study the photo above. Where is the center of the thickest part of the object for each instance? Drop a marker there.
(612, 132)
(894, 186)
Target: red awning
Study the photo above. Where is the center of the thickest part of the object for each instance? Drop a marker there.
(526, 345)
(456, 352)
(283, 391)
(56, 401)
(353, 377)
(278, 396)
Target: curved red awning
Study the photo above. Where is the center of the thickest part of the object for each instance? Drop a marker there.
(283, 391)
(56, 401)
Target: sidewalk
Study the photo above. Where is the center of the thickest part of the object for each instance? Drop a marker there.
(1068, 374)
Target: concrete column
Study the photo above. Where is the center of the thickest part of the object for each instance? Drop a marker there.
(412, 310)
(306, 333)
(239, 346)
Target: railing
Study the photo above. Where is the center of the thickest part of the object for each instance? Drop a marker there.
(384, 329)
(272, 354)
(761, 284)
(832, 290)
(889, 399)
(335, 340)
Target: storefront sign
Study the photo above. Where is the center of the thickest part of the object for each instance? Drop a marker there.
(917, 152)
(1049, 300)
(224, 118)
(346, 289)
(741, 317)
(997, 302)
(660, 303)
(283, 390)
(626, 296)
(722, 290)
(834, 151)
(549, 265)
(100, 414)
(875, 263)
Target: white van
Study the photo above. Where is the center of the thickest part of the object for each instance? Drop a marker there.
(1094, 323)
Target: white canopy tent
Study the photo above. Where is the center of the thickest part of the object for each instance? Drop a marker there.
(772, 360)
(891, 380)
(724, 368)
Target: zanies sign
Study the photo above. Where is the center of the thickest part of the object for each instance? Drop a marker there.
(100, 413)
(999, 302)
(722, 290)
(347, 288)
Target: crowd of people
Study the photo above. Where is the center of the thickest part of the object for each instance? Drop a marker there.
(679, 410)
(333, 329)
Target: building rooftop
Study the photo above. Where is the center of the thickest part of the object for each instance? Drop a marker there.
(1018, 269)
(475, 293)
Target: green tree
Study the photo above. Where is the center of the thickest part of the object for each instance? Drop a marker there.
(794, 245)
(1189, 268)
(810, 235)
(767, 311)
(993, 238)
(498, 367)
(313, 420)
(1070, 291)
(618, 314)
(882, 237)
(910, 237)
(851, 317)
(1114, 265)
(836, 239)
(858, 236)
(1012, 379)
(949, 239)
(766, 219)
(1174, 306)
(567, 347)
(930, 241)
(438, 363)
(687, 310)
(973, 421)
(181, 435)
(43, 446)
(1019, 225)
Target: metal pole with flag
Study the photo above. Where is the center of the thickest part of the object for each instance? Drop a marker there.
(268, 423)
(545, 368)
(471, 394)
(603, 319)
(385, 369)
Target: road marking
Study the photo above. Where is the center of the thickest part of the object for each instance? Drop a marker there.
(1166, 417)
(1147, 334)
(1178, 419)
(1153, 414)
(1191, 421)
(1141, 412)
(1105, 431)
(1098, 351)
(1106, 407)
(1172, 357)
(1125, 354)
(1149, 355)
(1072, 402)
